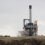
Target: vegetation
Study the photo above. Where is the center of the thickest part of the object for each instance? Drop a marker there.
(22, 40)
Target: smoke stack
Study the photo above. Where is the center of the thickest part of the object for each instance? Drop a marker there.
(30, 15)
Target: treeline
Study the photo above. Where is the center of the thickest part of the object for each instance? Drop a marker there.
(24, 42)
(4, 36)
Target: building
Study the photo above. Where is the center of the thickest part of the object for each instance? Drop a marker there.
(30, 28)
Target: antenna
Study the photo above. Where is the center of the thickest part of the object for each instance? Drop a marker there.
(30, 15)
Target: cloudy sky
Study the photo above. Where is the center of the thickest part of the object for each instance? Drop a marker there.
(12, 13)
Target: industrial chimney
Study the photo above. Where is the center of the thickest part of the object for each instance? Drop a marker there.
(30, 15)
(30, 28)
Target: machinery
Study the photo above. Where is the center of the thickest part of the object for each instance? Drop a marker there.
(30, 28)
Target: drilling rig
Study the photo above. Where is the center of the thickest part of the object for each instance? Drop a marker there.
(30, 28)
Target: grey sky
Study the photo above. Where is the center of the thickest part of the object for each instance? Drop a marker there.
(12, 13)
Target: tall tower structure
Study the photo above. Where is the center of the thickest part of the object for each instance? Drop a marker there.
(30, 15)
(30, 26)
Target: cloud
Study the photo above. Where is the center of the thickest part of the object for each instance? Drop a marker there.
(42, 23)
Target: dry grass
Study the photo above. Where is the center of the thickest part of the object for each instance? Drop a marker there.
(39, 40)
(20, 38)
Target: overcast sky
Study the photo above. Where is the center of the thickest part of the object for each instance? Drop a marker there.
(12, 13)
